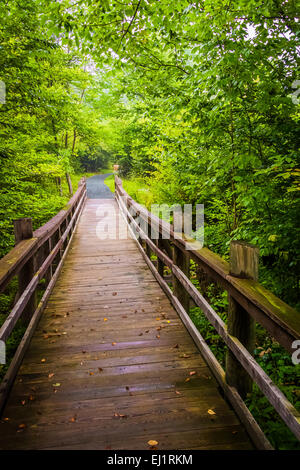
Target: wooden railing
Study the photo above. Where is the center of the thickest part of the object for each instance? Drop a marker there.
(37, 255)
(249, 302)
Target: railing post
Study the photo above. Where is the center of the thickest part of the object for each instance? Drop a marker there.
(47, 250)
(160, 263)
(182, 260)
(23, 230)
(148, 233)
(243, 264)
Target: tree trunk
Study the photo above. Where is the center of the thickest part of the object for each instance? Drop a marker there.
(69, 184)
(58, 182)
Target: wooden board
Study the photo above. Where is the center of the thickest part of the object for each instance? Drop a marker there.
(121, 361)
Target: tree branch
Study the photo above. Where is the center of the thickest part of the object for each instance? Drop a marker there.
(132, 20)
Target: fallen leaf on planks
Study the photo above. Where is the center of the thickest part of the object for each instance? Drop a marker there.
(211, 412)
(43, 360)
(50, 375)
(152, 443)
(73, 419)
(104, 319)
(118, 415)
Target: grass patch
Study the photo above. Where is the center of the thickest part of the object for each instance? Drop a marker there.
(137, 188)
(110, 182)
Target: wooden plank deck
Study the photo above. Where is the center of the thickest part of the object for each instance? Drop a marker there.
(109, 364)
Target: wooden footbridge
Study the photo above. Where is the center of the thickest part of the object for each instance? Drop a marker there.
(110, 358)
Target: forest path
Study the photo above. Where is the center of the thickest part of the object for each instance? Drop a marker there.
(97, 189)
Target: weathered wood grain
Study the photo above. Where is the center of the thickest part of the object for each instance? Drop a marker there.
(116, 346)
(244, 264)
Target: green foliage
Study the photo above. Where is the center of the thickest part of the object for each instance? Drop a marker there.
(273, 359)
(136, 187)
(277, 364)
(203, 100)
(196, 103)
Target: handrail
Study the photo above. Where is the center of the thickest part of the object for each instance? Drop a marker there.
(45, 252)
(279, 401)
(278, 318)
(17, 310)
(18, 256)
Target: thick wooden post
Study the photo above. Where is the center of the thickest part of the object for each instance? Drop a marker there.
(182, 260)
(54, 240)
(47, 251)
(22, 231)
(243, 264)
